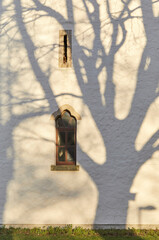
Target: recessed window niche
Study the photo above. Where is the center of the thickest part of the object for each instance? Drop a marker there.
(66, 127)
(65, 48)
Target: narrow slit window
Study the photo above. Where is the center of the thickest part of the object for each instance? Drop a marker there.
(65, 48)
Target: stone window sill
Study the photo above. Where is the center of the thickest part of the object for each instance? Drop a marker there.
(64, 167)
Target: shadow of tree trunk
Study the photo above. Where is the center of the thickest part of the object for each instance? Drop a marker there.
(115, 177)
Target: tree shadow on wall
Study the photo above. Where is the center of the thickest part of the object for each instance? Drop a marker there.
(113, 178)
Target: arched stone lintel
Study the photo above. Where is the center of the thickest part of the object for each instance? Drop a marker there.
(64, 108)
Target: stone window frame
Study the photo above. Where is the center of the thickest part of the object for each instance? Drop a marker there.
(65, 48)
(54, 116)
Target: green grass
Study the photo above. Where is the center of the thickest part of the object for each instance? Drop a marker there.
(78, 233)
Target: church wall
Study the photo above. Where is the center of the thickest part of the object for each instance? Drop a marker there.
(112, 84)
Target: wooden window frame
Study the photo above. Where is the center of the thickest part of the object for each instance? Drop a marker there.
(66, 130)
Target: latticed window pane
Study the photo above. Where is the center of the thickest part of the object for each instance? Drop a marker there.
(65, 121)
(72, 122)
(61, 154)
(70, 154)
(59, 123)
(66, 139)
(61, 138)
(70, 138)
(66, 118)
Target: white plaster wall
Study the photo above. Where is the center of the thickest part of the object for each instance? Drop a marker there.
(117, 182)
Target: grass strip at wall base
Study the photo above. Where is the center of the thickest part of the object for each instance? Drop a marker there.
(77, 233)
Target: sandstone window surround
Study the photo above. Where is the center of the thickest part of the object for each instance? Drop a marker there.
(65, 48)
(66, 129)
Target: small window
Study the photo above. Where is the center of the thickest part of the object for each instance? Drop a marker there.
(65, 48)
(66, 139)
(66, 126)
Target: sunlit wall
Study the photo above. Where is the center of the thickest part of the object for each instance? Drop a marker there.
(113, 84)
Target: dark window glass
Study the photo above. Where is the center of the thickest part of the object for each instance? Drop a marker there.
(65, 139)
(70, 154)
(65, 119)
(61, 154)
(70, 138)
(72, 122)
(61, 138)
(59, 122)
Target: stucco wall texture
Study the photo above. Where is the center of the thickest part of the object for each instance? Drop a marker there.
(113, 85)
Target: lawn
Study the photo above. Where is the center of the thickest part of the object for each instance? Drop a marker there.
(69, 233)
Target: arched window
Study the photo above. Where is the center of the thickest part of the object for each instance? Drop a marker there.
(66, 139)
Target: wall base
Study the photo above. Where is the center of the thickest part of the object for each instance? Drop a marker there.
(87, 226)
